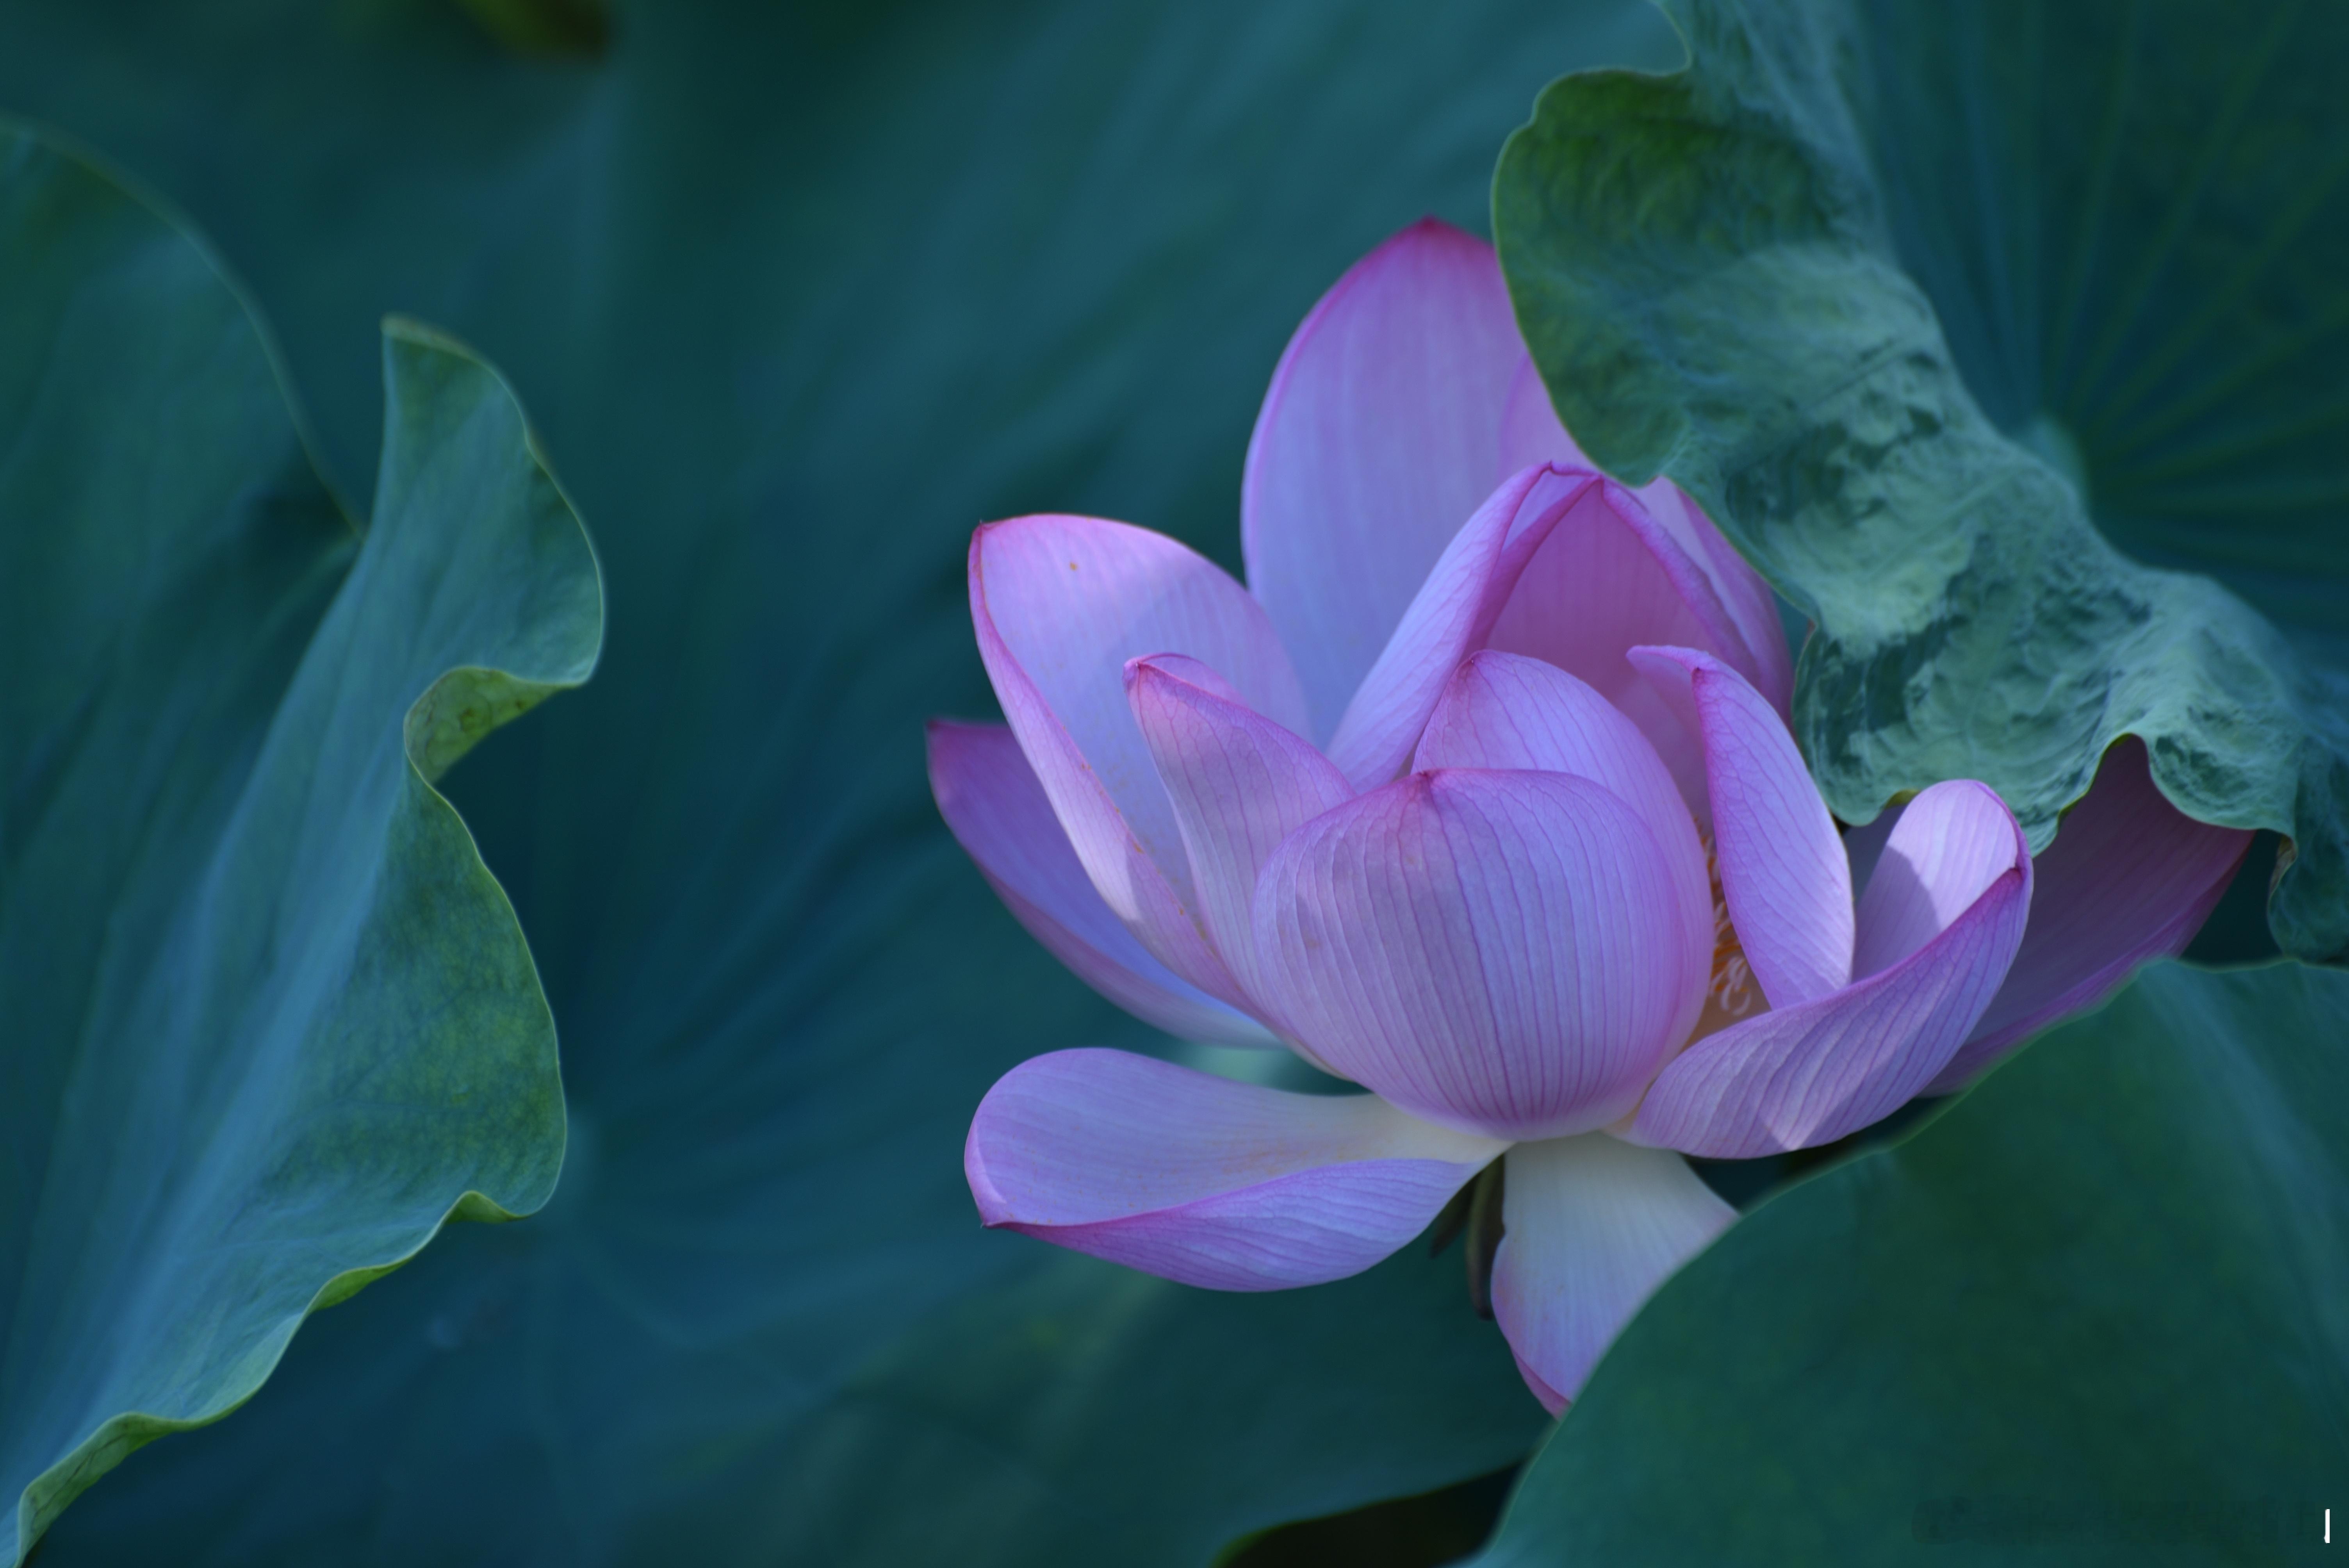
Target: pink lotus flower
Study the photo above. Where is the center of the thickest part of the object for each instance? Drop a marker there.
(1498, 818)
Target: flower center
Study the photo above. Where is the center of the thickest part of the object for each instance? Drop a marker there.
(1730, 993)
(1731, 990)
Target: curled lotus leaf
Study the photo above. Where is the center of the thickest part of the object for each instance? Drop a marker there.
(270, 1022)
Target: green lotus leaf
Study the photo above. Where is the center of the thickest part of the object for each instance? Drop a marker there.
(1999, 336)
(267, 1021)
(801, 295)
(2091, 1313)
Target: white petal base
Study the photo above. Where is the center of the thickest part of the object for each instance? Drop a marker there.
(1594, 1225)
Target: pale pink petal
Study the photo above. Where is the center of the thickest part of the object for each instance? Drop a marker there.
(1783, 873)
(1954, 839)
(1203, 1180)
(2130, 878)
(1610, 577)
(1752, 608)
(1453, 612)
(1496, 951)
(1802, 1076)
(1060, 603)
(989, 798)
(1380, 435)
(1863, 844)
(1530, 430)
(1551, 1399)
(1506, 711)
(1754, 642)
(1240, 784)
(1592, 1226)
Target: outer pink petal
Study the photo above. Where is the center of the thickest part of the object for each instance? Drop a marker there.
(1753, 610)
(1203, 1180)
(1060, 603)
(1783, 873)
(1453, 612)
(1863, 844)
(1954, 841)
(1807, 1074)
(1593, 1225)
(1531, 429)
(2129, 879)
(989, 798)
(1491, 950)
(1506, 711)
(1755, 644)
(1240, 784)
(1611, 576)
(1380, 433)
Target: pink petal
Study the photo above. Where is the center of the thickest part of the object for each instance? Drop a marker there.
(1453, 612)
(1755, 643)
(1593, 1225)
(1614, 575)
(1783, 873)
(1491, 950)
(1379, 437)
(1807, 1074)
(989, 798)
(1752, 608)
(1531, 429)
(1954, 841)
(1240, 784)
(1060, 603)
(1862, 845)
(1506, 711)
(2129, 879)
(1203, 1180)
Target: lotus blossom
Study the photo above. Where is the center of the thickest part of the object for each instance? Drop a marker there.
(1480, 795)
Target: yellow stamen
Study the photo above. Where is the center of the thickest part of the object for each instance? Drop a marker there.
(1730, 993)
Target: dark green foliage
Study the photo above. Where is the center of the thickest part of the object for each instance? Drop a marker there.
(266, 1019)
(1958, 316)
(2093, 1311)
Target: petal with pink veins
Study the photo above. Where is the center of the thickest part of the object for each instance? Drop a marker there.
(1610, 576)
(1240, 784)
(2129, 879)
(1752, 608)
(1452, 613)
(1379, 437)
(1807, 1074)
(1951, 844)
(1496, 951)
(1592, 1226)
(1203, 1180)
(991, 799)
(1060, 603)
(1506, 711)
(1531, 431)
(1783, 872)
(1754, 642)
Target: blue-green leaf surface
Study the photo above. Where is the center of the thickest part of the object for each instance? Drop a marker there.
(1971, 324)
(266, 1019)
(799, 295)
(2093, 1314)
